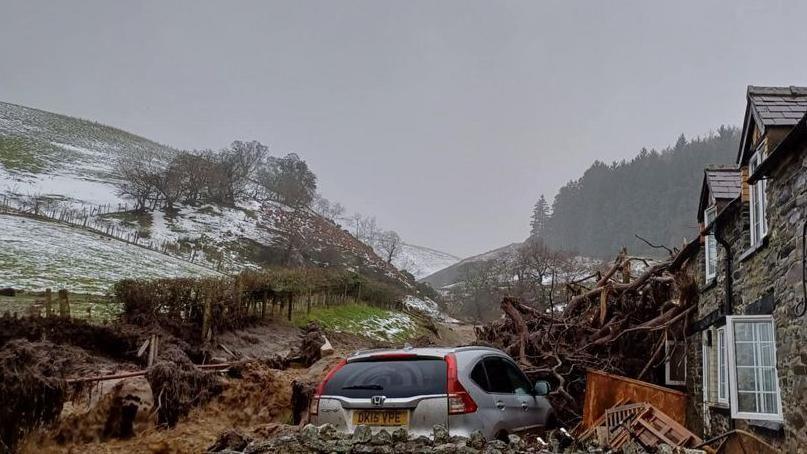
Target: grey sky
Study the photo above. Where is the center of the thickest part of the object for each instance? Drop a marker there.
(443, 119)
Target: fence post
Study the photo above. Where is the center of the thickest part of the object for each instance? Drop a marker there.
(48, 303)
(64, 304)
(207, 316)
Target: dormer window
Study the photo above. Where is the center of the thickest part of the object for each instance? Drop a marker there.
(710, 246)
(759, 218)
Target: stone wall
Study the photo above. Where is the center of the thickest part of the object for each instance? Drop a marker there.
(772, 269)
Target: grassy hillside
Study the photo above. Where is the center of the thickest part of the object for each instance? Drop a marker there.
(54, 164)
(37, 255)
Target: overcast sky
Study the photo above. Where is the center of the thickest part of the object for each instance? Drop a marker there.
(444, 119)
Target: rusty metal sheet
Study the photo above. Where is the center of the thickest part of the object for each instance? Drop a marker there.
(604, 391)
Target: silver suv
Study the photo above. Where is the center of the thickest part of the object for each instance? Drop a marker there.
(465, 389)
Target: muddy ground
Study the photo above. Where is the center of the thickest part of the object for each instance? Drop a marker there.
(121, 415)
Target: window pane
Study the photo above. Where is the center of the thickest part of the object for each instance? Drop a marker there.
(722, 387)
(519, 384)
(747, 402)
(765, 331)
(746, 379)
(478, 375)
(744, 354)
(769, 403)
(767, 356)
(743, 331)
(499, 381)
(394, 378)
(768, 379)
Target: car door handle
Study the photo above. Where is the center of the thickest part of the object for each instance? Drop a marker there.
(500, 405)
(524, 406)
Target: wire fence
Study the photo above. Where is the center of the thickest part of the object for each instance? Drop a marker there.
(90, 217)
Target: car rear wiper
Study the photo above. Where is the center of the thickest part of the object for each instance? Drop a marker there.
(372, 387)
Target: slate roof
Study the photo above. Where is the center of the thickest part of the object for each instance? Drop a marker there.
(724, 182)
(790, 144)
(778, 106)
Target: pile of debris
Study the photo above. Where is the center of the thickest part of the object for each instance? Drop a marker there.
(620, 324)
(31, 391)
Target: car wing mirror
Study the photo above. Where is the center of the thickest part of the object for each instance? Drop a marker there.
(541, 388)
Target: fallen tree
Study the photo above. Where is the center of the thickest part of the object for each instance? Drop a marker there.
(618, 324)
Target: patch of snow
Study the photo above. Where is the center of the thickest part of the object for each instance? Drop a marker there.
(422, 261)
(428, 307)
(37, 255)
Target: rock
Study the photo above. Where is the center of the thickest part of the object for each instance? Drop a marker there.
(476, 440)
(399, 435)
(382, 437)
(362, 434)
(495, 447)
(327, 348)
(231, 440)
(440, 434)
(445, 448)
(309, 436)
(515, 441)
(328, 432)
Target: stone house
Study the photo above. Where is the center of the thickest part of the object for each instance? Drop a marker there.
(747, 343)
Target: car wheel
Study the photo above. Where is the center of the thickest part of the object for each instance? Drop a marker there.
(502, 436)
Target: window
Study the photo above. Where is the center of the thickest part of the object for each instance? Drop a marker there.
(706, 371)
(505, 377)
(722, 370)
(754, 383)
(710, 249)
(675, 368)
(480, 377)
(759, 219)
(393, 378)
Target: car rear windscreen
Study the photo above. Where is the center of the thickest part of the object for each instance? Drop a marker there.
(392, 378)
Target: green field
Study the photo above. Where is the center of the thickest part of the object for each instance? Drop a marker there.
(360, 319)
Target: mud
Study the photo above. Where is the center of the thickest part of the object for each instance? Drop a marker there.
(31, 391)
(179, 386)
(176, 407)
(118, 342)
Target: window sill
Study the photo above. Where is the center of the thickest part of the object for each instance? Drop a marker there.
(710, 284)
(750, 252)
(719, 406)
(771, 425)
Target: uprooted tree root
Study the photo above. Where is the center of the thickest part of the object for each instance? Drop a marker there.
(619, 325)
(177, 386)
(31, 392)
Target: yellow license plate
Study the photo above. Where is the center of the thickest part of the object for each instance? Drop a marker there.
(381, 417)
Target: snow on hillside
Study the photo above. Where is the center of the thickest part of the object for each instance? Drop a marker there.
(38, 255)
(422, 261)
(427, 307)
(68, 163)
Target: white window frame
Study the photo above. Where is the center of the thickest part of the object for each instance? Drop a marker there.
(722, 367)
(705, 351)
(667, 368)
(758, 193)
(710, 263)
(735, 413)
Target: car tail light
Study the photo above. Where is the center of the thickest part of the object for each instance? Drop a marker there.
(313, 409)
(459, 401)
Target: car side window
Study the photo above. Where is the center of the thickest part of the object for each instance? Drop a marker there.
(480, 376)
(518, 382)
(500, 382)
